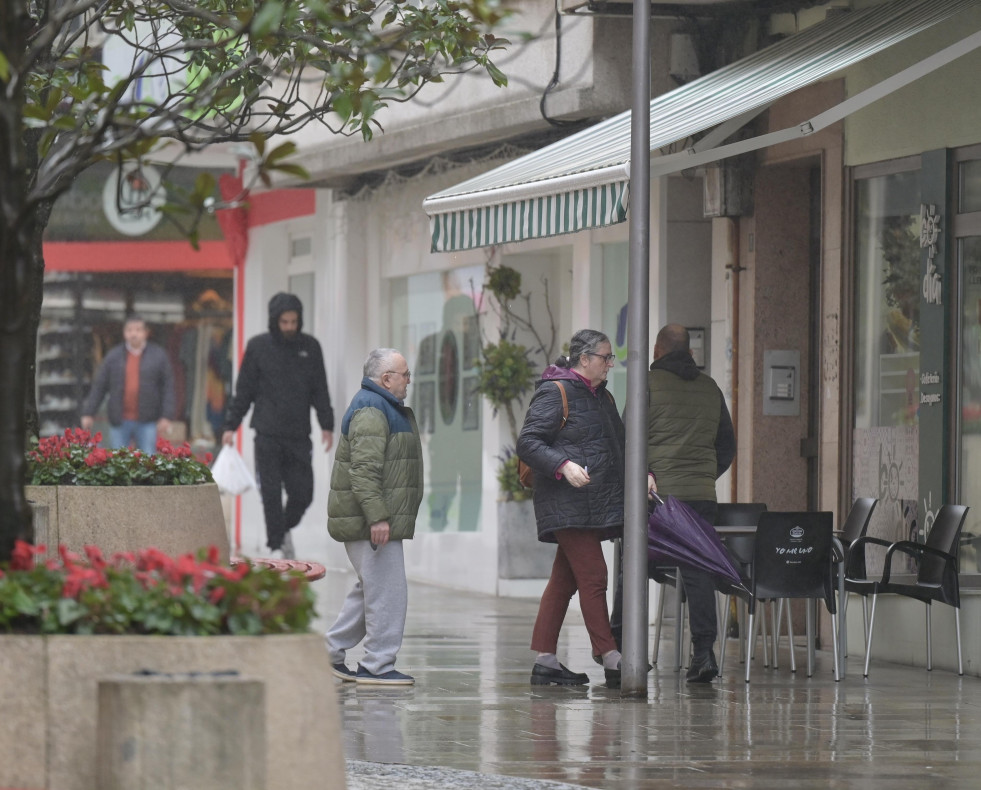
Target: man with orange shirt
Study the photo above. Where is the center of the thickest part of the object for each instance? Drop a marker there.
(139, 380)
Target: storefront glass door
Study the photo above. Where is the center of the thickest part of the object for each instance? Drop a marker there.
(969, 438)
(885, 449)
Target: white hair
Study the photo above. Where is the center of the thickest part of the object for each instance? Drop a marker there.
(378, 362)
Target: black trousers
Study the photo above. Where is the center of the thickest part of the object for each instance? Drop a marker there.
(283, 464)
(699, 589)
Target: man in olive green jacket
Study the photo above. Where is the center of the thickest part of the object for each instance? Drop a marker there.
(690, 443)
(376, 489)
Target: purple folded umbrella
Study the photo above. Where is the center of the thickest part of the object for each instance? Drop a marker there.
(677, 535)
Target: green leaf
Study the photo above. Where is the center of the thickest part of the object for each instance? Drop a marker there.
(268, 19)
(4, 68)
(499, 77)
(258, 139)
(23, 603)
(281, 151)
(68, 611)
(343, 106)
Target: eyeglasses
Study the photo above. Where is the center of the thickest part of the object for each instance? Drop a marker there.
(407, 375)
(608, 358)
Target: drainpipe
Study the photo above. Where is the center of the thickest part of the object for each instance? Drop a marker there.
(735, 268)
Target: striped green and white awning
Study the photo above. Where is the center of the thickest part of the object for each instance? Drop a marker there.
(532, 218)
(582, 181)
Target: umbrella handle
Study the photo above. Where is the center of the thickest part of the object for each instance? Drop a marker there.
(656, 498)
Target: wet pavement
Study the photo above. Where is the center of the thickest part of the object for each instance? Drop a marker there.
(473, 719)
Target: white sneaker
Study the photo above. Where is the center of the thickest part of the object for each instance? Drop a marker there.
(277, 554)
(288, 552)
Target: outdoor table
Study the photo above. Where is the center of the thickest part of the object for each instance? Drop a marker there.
(725, 530)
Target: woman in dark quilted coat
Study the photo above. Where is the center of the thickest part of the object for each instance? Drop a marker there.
(578, 467)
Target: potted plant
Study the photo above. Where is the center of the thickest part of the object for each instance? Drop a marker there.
(506, 374)
(506, 370)
(70, 620)
(122, 499)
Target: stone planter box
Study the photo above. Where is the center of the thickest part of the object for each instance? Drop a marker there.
(519, 554)
(174, 519)
(49, 702)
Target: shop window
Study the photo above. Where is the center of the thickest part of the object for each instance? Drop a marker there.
(969, 456)
(302, 286)
(887, 350)
(969, 187)
(967, 433)
(434, 323)
(300, 247)
(612, 282)
(188, 314)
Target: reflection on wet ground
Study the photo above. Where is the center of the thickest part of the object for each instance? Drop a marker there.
(472, 708)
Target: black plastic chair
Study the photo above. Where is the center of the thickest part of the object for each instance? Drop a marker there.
(737, 514)
(668, 576)
(793, 557)
(855, 526)
(665, 575)
(857, 521)
(936, 579)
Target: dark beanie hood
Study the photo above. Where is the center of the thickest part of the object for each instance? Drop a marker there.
(678, 362)
(283, 303)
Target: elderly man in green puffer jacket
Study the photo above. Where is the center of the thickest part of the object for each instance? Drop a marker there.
(376, 489)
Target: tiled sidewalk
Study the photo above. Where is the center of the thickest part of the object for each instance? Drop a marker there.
(472, 709)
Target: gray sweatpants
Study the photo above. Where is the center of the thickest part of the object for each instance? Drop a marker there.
(375, 609)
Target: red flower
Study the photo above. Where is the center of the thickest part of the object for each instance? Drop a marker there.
(153, 560)
(98, 457)
(80, 578)
(94, 553)
(68, 558)
(22, 557)
(123, 559)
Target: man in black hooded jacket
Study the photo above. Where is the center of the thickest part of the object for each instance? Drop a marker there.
(281, 377)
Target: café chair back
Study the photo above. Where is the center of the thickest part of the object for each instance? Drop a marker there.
(855, 526)
(857, 521)
(669, 576)
(936, 574)
(737, 514)
(793, 557)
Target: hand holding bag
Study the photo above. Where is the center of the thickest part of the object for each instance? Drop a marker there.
(231, 473)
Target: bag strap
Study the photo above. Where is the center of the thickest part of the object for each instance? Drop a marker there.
(565, 403)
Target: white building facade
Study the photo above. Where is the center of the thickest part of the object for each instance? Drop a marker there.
(786, 260)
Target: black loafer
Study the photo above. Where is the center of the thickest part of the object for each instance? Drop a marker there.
(613, 679)
(545, 676)
(703, 669)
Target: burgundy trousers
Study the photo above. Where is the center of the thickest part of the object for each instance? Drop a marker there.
(579, 566)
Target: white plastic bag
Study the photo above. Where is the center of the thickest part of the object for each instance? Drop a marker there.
(230, 472)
